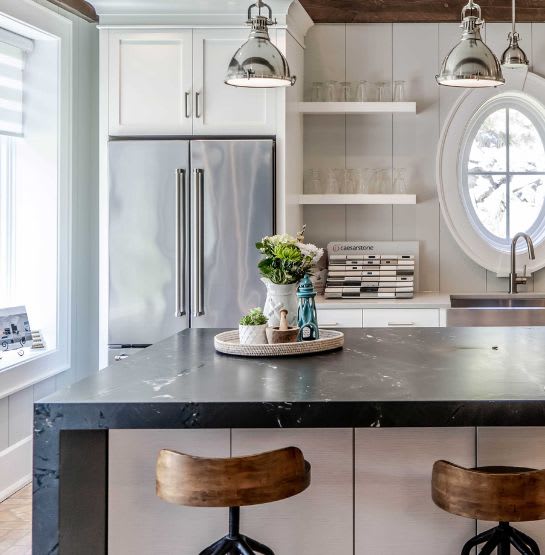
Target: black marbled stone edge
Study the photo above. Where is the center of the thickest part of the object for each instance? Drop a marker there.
(319, 414)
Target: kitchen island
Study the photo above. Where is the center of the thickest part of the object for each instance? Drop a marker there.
(383, 378)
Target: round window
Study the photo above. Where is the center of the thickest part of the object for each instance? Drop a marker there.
(502, 170)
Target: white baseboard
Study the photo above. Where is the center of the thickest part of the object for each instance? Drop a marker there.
(15, 467)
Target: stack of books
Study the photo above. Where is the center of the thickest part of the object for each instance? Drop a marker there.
(370, 276)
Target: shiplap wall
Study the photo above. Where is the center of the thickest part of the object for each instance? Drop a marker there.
(387, 52)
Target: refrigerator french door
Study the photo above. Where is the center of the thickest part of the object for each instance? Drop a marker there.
(184, 220)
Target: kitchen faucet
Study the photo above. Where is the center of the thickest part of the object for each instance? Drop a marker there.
(514, 280)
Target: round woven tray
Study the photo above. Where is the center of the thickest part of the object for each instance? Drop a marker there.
(228, 343)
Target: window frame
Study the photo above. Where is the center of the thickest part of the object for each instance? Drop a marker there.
(55, 34)
(520, 83)
(536, 114)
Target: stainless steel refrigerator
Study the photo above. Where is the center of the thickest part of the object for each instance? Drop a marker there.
(184, 220)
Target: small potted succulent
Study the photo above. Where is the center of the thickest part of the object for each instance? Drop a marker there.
(252, 328)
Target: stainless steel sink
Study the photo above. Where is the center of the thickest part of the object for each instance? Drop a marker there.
(521, 309)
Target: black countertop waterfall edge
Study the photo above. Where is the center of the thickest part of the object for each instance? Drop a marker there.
(382, 378)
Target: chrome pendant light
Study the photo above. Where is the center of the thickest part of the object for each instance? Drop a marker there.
(471, 63)
(514, 56)
(258, 63)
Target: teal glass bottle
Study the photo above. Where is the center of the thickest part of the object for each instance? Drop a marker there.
(306, 315)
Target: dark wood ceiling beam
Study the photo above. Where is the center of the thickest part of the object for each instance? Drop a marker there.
(417, 11)
(79, 7)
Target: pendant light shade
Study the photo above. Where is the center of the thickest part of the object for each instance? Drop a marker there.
(471, 63)
(514, 56)
(258, 63)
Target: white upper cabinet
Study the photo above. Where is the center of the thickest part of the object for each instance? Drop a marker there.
(220, 108)
(150, 82)
(165, 82)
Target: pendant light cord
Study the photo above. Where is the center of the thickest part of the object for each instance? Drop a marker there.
(513, 18)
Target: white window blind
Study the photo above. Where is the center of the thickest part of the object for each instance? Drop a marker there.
(13, 51)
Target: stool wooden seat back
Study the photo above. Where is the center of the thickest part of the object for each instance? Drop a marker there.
(503, 494)
(234, 482)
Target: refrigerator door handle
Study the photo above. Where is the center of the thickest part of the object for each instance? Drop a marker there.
(198, 254)
(180, 244)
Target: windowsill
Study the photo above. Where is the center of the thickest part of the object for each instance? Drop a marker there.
(10, 359)
(18, 373)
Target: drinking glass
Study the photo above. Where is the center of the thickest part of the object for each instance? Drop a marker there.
(399, 91)
(317, 88)
(363, 92)
(358, 182)
(312, 184)
(350, 186)
(384, 91)
(346, 91)
(331, 91)
(384, 182)
(400, 181)
(332, 185)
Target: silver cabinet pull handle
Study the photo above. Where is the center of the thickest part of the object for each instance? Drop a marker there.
(180, 244)
(198, 245)
(197, 105)
(187, 112)
(400, 324)
(330, 325)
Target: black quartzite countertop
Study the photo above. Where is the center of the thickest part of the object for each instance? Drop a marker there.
(383, 377)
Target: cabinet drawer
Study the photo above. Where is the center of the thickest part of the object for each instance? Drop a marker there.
(340, 318)
(401, 317)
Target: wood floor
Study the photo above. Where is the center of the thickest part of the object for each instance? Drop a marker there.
(16, 523)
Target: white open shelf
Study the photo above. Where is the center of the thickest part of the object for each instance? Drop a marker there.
(357, 107)
(357, 199)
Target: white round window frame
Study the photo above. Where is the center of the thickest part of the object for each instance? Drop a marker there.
(528, 91)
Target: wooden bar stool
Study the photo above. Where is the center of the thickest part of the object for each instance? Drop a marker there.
(499, 493)
(235, 482)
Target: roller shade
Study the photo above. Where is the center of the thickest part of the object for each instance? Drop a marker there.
(13, 51)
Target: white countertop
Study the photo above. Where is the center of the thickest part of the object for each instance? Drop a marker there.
(420, 300)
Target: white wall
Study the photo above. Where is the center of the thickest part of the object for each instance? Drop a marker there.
(386, 52)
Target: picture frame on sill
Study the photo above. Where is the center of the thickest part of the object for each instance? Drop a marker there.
(14, 328)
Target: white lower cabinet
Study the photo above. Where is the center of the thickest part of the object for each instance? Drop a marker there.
(319, 520)
(340, 318)
(379, 317)
(394, 512)
(401, 318)
(513, 447)
(139, 522)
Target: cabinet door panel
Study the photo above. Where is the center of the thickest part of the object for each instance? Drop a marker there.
(224, 109)
(150, 76)
(394, 512)
(318, 520)
(139, 522)
(513, 447)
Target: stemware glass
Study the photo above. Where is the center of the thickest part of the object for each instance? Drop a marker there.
(384, 91)
(399, 91)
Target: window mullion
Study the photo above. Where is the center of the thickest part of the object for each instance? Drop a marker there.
(508, 177)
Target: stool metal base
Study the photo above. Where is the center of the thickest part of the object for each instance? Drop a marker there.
(235, 543)
(239, 546)
(502, 537)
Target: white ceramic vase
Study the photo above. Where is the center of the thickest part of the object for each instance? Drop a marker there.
(279, 297)
(252, 335)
